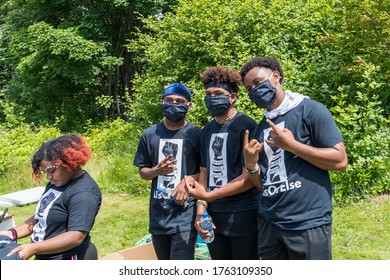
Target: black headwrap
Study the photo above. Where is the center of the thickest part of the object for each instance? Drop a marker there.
(225, 85)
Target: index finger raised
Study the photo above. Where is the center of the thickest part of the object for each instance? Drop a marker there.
(246, 138)
(272, 125)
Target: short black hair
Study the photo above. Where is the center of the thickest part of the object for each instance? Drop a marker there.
(261, 61)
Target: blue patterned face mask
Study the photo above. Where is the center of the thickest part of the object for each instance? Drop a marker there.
(263, 95)
(217, 105)
(175, 112)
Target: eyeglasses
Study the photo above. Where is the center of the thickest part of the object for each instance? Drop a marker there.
(172, 101)
(50, 169)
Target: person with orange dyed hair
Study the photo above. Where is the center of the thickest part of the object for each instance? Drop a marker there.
(66, 211)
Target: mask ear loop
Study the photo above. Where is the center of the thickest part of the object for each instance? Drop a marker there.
(234, 101)
(277, 83)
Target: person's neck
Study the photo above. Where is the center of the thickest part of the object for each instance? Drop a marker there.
(279, 99)
(227, 116)
(77, 173)
(174, 125)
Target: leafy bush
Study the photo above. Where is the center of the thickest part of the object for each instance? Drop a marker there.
(366, 132)
(17, 145)
(114, 145)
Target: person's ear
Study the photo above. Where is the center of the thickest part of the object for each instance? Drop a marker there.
(276, 76)
(189, 104)
(233, 97)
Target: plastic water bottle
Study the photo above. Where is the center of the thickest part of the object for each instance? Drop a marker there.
(171, 205)
(167, 204)
(207, 224)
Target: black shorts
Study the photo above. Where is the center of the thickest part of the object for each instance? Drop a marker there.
(235, 236)
(309, 244)
(177, 246)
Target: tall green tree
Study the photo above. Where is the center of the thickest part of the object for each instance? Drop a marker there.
(61, 59)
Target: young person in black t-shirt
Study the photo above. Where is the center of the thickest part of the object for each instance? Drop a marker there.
(66, 212)
(231, 200)
(288, 158)
(167, 151)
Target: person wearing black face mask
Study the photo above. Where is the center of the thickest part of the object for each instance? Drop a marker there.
(288, 159)
(223, 187)
(166, 152)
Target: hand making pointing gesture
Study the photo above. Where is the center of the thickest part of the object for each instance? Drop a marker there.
(281, 138)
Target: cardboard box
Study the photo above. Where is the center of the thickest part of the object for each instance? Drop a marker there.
(140, 252)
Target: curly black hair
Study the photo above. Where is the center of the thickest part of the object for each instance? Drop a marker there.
(221, 74)
(261, 61)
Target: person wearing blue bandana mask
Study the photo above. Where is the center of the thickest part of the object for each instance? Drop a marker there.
(288, 157)
(167, 151)
(176, 102)
(223, 187)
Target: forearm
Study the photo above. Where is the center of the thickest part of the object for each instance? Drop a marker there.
(238, 185)
(60, 243)
(256, 180)
(26, 228)
(148, 173)
(333, 158)
(193, 177)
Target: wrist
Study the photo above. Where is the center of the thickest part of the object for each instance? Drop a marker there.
(156, 171)
(200, 208)
(201, 202)
(13, 235)
(251, 165)
(252, 170)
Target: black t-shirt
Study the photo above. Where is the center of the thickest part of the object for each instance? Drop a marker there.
(155, 144)
(297, 195)
(222, 155)
(72, 207)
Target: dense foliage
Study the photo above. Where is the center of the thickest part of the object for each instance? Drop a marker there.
(71, 64)
(65, 62)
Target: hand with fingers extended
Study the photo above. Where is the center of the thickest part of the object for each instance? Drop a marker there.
(251, 151)
(281, 138)
(170, 148)
(166, 166)
(25, 251)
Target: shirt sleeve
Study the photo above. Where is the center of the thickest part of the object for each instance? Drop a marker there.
(83, 208)
(323, 128)
(142, 158)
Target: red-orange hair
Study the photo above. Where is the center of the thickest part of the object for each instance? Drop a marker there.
(70, 151)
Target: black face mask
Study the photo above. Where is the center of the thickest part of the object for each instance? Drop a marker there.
(263, 95)
(175, 112)
(217, 105)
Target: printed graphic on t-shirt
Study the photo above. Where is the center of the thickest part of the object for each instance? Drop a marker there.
(217, 154)
(166, 184)
(42, 210)
(276, 177)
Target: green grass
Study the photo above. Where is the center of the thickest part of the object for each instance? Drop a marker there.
(360, 231)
